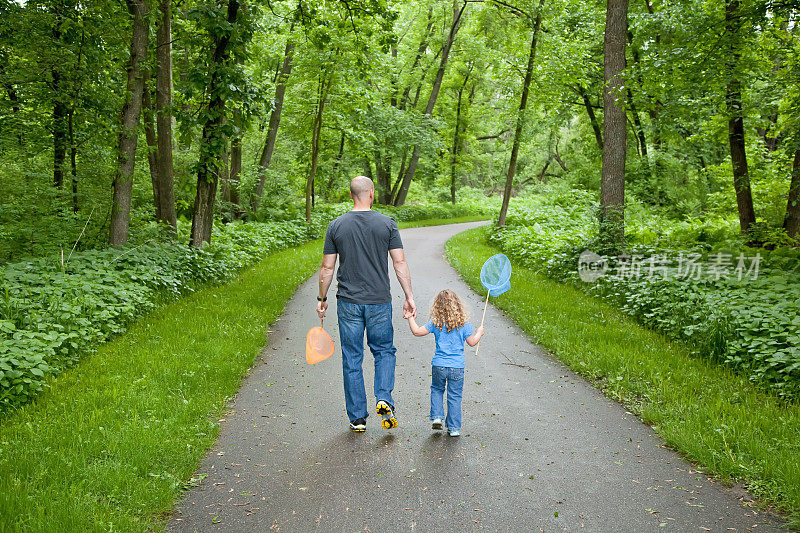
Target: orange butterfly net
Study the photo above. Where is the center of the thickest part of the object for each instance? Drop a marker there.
(319, 345)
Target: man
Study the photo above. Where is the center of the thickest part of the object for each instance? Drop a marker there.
(361, 240)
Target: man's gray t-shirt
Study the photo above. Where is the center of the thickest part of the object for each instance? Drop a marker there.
(363, 240)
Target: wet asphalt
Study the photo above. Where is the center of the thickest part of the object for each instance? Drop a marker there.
(540, 450)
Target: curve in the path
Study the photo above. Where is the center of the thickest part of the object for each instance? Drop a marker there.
(541, 449)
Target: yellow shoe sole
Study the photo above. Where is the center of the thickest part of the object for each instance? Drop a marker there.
(389, 421)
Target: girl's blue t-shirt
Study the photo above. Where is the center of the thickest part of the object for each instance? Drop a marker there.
(449, 345)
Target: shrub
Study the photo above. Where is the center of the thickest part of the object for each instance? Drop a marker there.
(748, 324)
(50, 316)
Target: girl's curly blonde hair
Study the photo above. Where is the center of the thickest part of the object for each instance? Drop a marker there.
(447, 310)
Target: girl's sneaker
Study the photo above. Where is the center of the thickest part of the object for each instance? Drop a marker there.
(453, 432)
(436, 423)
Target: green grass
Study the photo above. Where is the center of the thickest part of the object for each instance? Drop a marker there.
(713, 417)
(441, 221)
(114, 440)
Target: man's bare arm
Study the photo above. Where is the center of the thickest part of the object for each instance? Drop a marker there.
(404, 277)
(325, 280)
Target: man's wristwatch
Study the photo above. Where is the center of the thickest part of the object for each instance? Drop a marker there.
(322, 299)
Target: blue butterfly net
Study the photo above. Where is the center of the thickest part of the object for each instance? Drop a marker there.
(496, 274)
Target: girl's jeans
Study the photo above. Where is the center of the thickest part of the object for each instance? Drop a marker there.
(453, 379)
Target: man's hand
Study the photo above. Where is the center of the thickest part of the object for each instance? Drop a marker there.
(409, 307)
(322, 308)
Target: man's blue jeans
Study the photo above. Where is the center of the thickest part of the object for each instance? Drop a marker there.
(453, 379)
(376, 319)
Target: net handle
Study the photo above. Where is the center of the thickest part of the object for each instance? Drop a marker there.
(485, 305)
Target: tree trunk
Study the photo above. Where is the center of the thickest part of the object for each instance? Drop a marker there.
(791, 223)
(59, 114)
(598, 135)
(274, 122)
(367, 166)
(73, 159)
(642, 143)
(152, 143)
(316, 134)
(523, 104)
(423, 46)
(399, 179)
(612, 185)
(59, 132)
(642, 139)
(383, 171)
(235, 172)
(224, 172)
(733, 101)
(212, 139)
(129, 130)
(437, 84)
(456, 143)
(337, 165)
(457, 138)
(166, 189)
(652, 106)
(560, 161)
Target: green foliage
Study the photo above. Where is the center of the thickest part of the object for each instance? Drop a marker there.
(51, 316)
(747, 324)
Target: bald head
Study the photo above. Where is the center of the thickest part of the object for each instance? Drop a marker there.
(360, 187)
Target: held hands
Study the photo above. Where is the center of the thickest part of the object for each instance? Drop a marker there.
(409, 308)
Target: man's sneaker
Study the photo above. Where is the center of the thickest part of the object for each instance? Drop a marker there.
(359, 426)
(436, 423)
(387, 412)
(454, 433)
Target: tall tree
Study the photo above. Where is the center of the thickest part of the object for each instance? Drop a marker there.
(733, 103)
(60, 110)
(212, 144)
(457, 136)
(523, 104)
(152, 140)
(129, 129)
(166, 190)
(437, 84)
(274, 121)
(316, 134)
(615, 142)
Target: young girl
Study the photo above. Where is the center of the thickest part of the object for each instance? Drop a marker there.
(449, 325)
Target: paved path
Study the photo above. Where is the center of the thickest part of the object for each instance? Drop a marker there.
(541, 450)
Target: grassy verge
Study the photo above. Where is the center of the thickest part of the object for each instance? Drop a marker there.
(110, 445)
(441, 221)
(712, 416)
